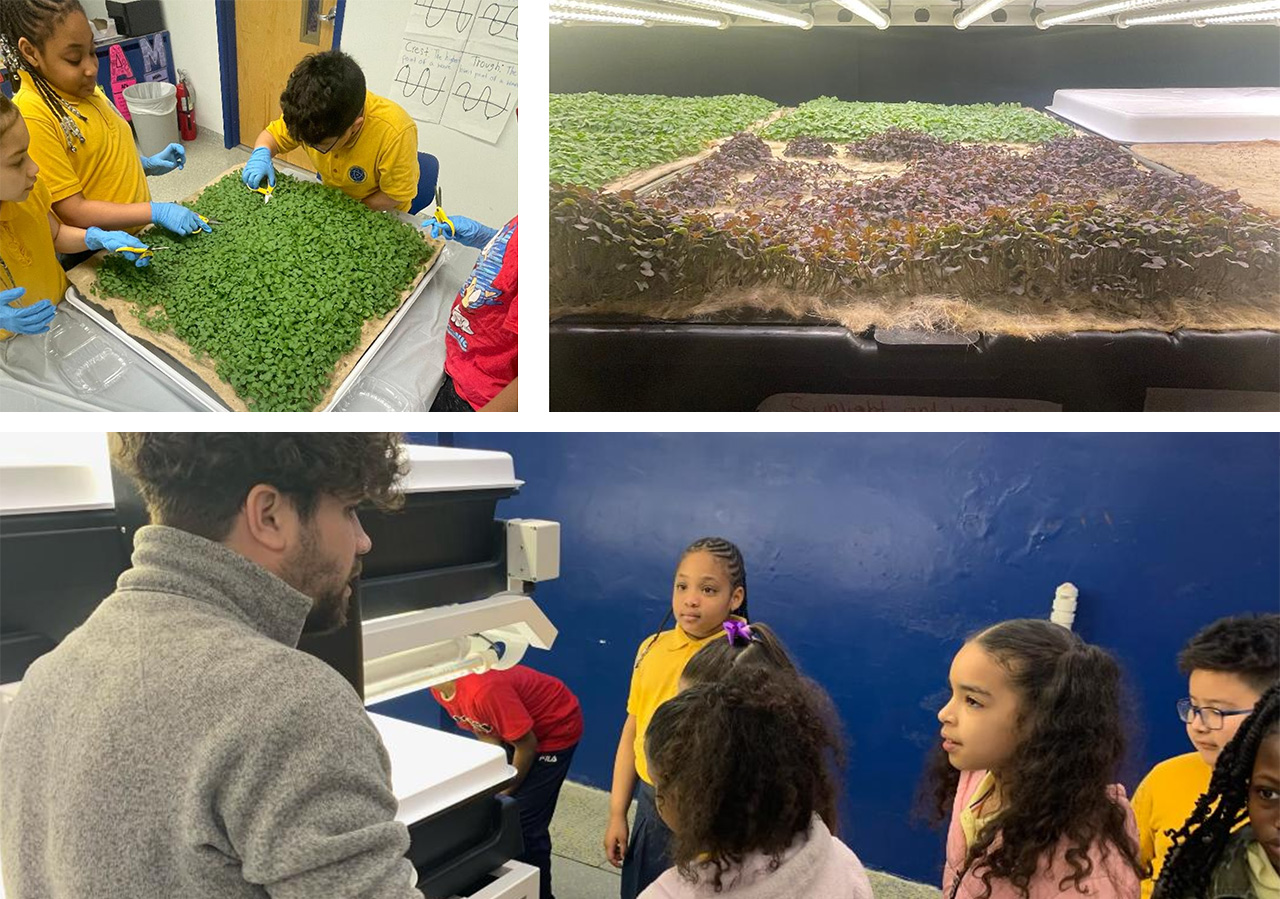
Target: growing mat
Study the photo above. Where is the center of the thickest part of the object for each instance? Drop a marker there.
(277, 305)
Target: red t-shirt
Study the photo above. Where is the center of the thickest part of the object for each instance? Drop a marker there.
(508, 704)
(482, 338)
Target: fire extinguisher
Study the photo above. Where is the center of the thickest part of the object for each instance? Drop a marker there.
(186, 108)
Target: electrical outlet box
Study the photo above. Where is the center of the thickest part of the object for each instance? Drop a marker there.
(533, 549)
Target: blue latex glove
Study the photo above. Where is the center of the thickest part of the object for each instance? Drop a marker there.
(259, 167)
(33, 319)
(97, 239)
(177, 218)
(171, 157)
(470, 233)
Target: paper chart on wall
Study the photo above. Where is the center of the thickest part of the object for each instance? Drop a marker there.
(458, 65)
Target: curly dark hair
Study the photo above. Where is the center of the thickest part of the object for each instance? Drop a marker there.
(198, 482)
(1057, 784)
(323, 97)
(734, 567)
(1247, 646)
(36, 21)
(721, 658)
(745, 765)
(1219, 809)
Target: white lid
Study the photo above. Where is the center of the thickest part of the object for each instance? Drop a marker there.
(71, 472)
(54, 473)
(432, 770)
(440, 468)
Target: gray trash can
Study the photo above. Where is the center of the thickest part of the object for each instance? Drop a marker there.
(154, 108)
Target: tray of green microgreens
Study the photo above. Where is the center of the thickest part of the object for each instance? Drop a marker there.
(280, 296)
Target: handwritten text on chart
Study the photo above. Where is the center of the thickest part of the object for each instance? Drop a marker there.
(423, 77)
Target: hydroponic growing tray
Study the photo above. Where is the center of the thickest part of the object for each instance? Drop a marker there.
(636, 365)
(1161, 115)
(197, 374)
(911, 262)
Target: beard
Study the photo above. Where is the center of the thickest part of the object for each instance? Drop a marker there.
(328, 585)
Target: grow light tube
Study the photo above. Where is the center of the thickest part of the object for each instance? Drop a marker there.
(765, 12)
(967, 17)
(560, 17)
(1245, 17)
(1097, 11)
(1201, 12)
(864, 9)
(647, 14)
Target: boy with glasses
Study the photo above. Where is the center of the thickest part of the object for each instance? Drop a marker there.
(1229, 665)
(362, 144)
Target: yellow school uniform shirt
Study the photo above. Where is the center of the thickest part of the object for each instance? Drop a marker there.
(657, 679)
(26, 245)
(383, 158)
(105, 167)
(1162, 802)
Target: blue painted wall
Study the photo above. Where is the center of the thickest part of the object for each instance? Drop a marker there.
(875, 554)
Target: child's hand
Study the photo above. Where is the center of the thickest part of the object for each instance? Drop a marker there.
(615, 841)
(171, 157)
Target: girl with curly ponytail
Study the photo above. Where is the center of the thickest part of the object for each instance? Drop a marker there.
(1031, 741)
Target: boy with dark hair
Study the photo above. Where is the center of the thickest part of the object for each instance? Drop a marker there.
(178, 743)
(1229, 665)
(538, 720)
(362, 144)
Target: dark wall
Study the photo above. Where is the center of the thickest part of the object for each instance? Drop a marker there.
(928, 64)
(875, 554)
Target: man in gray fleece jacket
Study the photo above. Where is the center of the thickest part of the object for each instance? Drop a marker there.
(178, 745)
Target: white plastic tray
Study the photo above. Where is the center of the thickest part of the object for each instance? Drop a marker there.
(432, 770)
(1174, 115)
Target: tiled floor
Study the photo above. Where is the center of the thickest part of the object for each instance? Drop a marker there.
(206, 159)
(579, 869)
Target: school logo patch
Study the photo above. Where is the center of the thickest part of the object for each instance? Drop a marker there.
(357, 174)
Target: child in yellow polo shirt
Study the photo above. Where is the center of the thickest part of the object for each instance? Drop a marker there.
(32, 282)
(78, 138)
(710, 587)
(1229, 665)
(362, 144)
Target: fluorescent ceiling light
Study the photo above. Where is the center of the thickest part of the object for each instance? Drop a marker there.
(1098, 11)
(1244, 17)
(863, 9)
(765, 12)
(559, 17)
(633, 12)
(1213, 10)
(978, 11)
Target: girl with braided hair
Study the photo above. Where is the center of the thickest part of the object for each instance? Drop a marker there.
(1031, 740)
(32, 282)
(710, 588)
(1212, 856)
(79, 139)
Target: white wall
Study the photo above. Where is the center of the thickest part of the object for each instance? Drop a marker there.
(193, 32)
(478, 179)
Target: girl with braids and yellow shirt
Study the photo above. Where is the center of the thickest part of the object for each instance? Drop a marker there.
(710, 587)
(1213, 857)
(32, 282)
(82, 144)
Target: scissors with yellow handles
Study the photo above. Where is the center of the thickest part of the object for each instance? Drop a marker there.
(143, 252)
(441, 217)
(265, 190)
